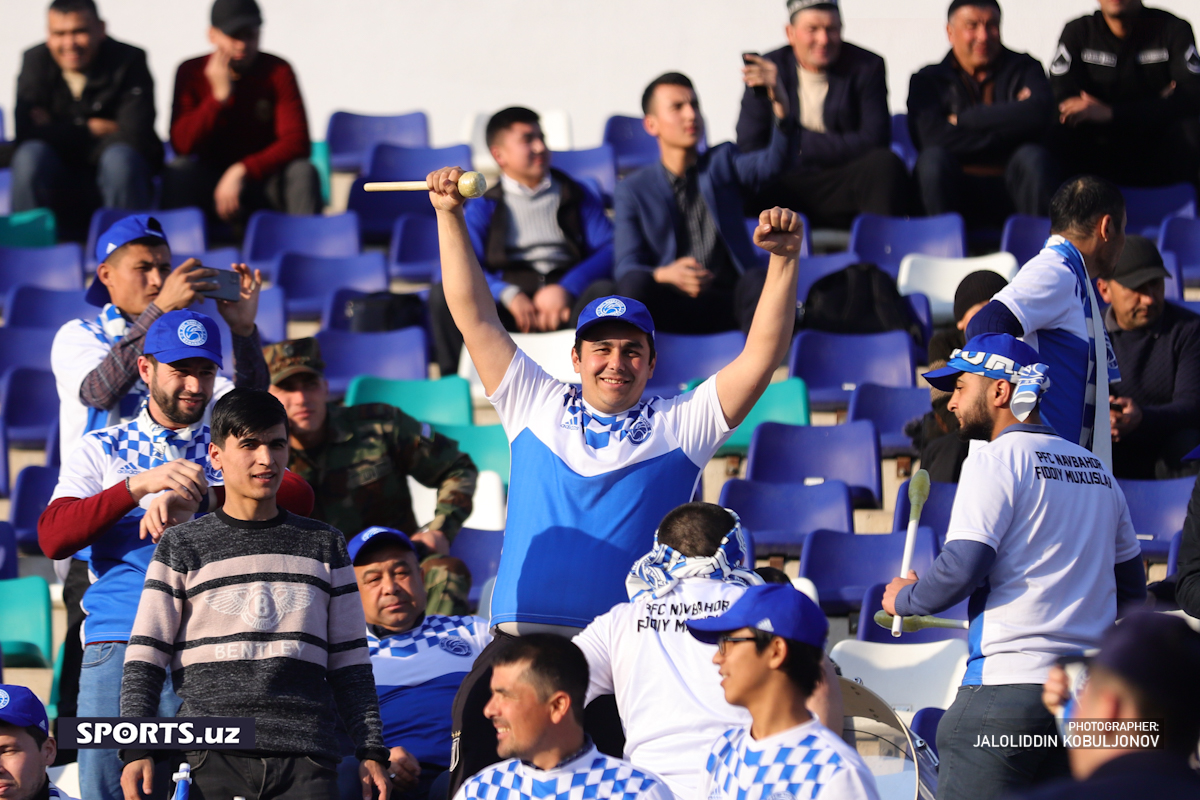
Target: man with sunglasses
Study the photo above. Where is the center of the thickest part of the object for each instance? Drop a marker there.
(770, 649)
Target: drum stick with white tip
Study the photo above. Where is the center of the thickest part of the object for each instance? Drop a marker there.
(885, 620)
(470, 184)
(918, 493)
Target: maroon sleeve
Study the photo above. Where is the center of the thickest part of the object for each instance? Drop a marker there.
(195, 111)
(291, 127)
(70, 524)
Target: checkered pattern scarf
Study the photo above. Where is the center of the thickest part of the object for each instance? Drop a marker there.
(658, 571)
(599, 430)
(435, 630)
(592, 776)
(146, 444)
(110, 327)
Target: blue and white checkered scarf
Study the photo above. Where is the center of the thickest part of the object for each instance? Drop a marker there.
(110, 327)
(658, 571)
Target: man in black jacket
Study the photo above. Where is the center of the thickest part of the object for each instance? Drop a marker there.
(1155, 407)
(839, 92)
(979, 118)
(85, 120)
(1127, 82)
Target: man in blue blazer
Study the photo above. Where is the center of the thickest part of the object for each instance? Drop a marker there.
(838, 93)
(680, 240)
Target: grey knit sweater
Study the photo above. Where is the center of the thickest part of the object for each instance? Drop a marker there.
(262, 620)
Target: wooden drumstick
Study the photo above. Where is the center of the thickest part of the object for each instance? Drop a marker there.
(470, 184)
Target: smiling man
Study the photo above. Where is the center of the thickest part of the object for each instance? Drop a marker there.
(252, 608)
(418, 659)
(26, 747)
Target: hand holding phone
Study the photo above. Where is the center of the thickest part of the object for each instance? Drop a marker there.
(759, 91)
(229, 286)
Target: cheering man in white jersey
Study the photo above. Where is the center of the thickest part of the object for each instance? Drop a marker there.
(770, 649)
(1040, 540)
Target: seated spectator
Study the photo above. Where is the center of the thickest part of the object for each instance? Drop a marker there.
(936, 436)
(979, 119)
(542, 239)
(106, 487)
(668, 695)
(1155, 407)
(842, 163)
(85, 121)
(770, 650)
(538, 685)
(1145, 670)
(419, 659)
(254, 608)
(689, 261)
(357, 459)
(1127, 83)
(973, 293)
(26, 747)
(238, 126)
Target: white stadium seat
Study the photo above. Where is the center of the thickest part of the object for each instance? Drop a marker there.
(550, 350)
(908, 676)
(937, 278)
(490, 504)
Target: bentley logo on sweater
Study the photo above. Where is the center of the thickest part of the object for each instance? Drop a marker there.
(261, 605)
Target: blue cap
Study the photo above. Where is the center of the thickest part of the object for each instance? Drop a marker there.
(21, 707)
(993, 355)
(621, 309)
(121, 233)
(177, 335)
(377, 533)
(777, 608)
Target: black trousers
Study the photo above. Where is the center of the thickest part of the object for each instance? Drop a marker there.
(727, 304)
(295, 189)
(220, 775)
(1030, 178)
(448, 341)
(1148, 458)
(876, 182)
(74, 586)
(1166, 156)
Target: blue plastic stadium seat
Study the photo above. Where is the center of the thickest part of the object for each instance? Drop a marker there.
(870, 631)
(936, 513)
(34, 307)
(1024, 236)
(1173, 553)
(811, 454)
(399, 354)
(8, 552)
(28, 408)
(57, 267)
(31, 495)
(5, 191)
(1157, 509)
(925, 724)
(682, 358)
(350, 137)
(1147, 207)
(597, 166)
(218, 258)
(25, 347)
(480, 551)
(902, 143)
(184, 228)
(834, 364)
(778, 516)
(813, 268)
(380, 210)
(890, 408)
(308, 282)
(1181, 236)
(885, 241)
(844, 565)
(1173, 286)
(272, 315)
(414, 254)
(270, 234)
(631, 145)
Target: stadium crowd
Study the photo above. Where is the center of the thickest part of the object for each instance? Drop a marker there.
(235, 541)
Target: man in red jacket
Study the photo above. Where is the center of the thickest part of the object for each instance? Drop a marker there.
(239, 127)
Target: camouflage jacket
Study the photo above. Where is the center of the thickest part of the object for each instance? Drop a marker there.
(358, 475)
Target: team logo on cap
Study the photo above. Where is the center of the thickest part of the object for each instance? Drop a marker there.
(455, 646)
(192, 332)
(612, 307)
(3, 698)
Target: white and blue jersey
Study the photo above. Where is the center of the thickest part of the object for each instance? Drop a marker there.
(591, 775)
(1049, 297)
(807, 761)
(119, 559)
(417, 674)
(1059, 525)
(588, 491)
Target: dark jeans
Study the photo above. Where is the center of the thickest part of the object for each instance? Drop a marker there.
(876, 182)
(1158, 158)
(295, 189)
(218, 775)
(983, 772)
(727, 304)
(1030, 178)
(448, 342)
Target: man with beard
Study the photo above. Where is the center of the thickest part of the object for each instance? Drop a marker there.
(104, 487)
(1040, 540)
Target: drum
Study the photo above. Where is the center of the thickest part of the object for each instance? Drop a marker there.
(904, 765)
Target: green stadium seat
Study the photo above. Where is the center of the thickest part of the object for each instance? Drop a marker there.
(785, 401)
(25, 609)
(487, 445)
(35, 228)
(441, 402)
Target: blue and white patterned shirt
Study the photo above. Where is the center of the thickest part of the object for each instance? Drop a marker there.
(807, 761)
(589, 776)
(417, 674)
(119, 559)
